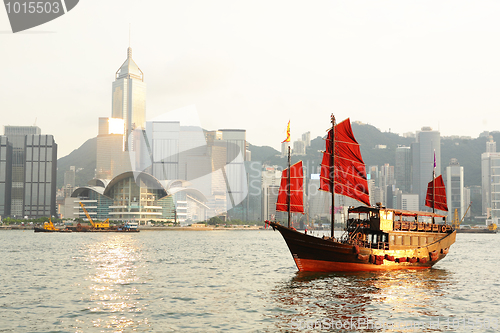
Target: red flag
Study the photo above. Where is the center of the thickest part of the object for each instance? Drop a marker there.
(287, 133)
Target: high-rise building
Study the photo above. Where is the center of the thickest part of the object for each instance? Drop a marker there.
(409, 201)
(116, 133)
(490, 179)
(34, 167)
(387, 175)
(164, 144)
(250, 209)
(271, 180)
(5, 175)
(467, 200)
(112, 159)
(455, 189)
(491, 146)
(319, 202)
(402, 169)
(69, 176)
(284, 148)
(299, 147)
(427, 146)
(129, 96)
(306, 138)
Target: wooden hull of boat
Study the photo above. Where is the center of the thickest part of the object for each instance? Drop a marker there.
(313, 254)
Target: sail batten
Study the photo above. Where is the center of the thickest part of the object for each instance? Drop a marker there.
(436, 188)
(349, 172)
(296, 190)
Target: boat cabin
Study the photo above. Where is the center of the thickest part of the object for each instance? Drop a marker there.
(387, 228)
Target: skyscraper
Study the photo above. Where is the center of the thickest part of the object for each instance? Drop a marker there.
(306, 137)
(34, 167)
(490, 179)
(455, 189)
(271, 180)
(129, 96)
(164, 144)
(403, 169)
(428, 142)
(128, 113)
(5, 175)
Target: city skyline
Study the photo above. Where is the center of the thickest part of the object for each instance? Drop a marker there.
(397, 66)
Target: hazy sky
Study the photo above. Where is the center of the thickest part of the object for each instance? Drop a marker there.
(398, 65)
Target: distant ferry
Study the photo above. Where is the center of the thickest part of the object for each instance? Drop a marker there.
(466, 229)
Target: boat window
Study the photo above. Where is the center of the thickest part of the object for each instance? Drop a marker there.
(385, 238)
(389, 215)
(426, 219)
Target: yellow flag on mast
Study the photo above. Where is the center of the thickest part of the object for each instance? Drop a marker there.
(287, 133)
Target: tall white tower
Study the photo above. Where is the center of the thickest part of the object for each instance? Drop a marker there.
(129, 97)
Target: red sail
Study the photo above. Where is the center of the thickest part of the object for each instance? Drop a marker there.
(349, 171)
(436, 187)
(296, 190)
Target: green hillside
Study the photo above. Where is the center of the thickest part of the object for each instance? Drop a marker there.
(83, 158)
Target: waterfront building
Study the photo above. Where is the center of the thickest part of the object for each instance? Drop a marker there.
(34, 167)
(139, 198)
(455, 189)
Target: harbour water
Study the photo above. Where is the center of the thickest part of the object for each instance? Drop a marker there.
(202, 281)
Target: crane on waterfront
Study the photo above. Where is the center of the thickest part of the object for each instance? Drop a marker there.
(95, 225)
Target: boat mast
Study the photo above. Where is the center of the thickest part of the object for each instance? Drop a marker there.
(434, 186)
(332, 172)
(288, 190)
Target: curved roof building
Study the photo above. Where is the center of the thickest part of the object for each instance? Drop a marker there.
(139, 197)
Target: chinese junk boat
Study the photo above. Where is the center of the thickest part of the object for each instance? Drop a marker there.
(376, 238)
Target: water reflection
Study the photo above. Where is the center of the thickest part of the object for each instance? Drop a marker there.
(114, 300)
(377, 296)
